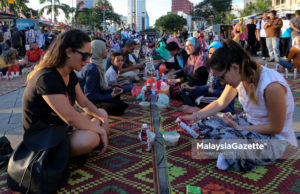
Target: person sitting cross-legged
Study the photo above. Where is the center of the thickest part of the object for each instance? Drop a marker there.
(34, 55)
(293, 60)
(93, 84)
(268, 104)
(112, 74)
(207, 93)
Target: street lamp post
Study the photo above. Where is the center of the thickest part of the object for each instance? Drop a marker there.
(104, 8)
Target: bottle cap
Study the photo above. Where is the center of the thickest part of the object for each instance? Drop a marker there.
(144, 125)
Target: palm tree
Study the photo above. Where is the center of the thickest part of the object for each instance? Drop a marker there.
(3, 4)
(229, 17)
(54, 7)
(248, 10)
(261, 6)
(18, 6)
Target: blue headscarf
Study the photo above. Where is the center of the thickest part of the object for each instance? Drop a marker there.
(196, 43)
(215, 45)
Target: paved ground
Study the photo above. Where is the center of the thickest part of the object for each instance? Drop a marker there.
(11, 116)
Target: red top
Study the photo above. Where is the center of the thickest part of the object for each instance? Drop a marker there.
(34, 55)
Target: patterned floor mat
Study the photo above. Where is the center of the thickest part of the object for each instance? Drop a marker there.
(281, 177)
(7, 86)
(295, 87)
(124, 168)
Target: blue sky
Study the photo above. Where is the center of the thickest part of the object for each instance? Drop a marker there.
(155, 8)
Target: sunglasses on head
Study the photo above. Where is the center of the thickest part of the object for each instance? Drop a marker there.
(85, 56)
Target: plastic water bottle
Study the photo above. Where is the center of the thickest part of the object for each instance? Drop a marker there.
(153, 94)
(191, 130)
(163, 78)
(295, 73)
(146, 146)
(286, 73)
(148, 92)
(143, 95)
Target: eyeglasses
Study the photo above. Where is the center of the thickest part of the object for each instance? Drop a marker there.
(85, 56)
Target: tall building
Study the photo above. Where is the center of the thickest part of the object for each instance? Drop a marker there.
(87, 3)
(137, 14)
(286, 6)
(248, 2)
(182, 5)
(147, 21)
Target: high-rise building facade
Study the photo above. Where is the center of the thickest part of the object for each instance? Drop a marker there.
(248, 2)
(182, 5)
(137, 14)
(286, 6)
(87, 3)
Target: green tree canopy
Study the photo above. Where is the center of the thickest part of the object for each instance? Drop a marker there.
(93, 17)
(208, 8)
(259, 6)
(170, 22)
(54, 7)
(224, 18)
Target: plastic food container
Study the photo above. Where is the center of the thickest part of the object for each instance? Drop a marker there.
(171, 139)
(161, 106)
(152, 137)
(144, 104)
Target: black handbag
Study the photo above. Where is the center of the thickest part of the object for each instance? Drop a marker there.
(40, 162)
(5, 150)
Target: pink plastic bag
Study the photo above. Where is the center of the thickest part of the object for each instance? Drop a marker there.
(136, 90)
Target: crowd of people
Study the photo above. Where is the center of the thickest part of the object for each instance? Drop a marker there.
(28, 46)
(79, 81)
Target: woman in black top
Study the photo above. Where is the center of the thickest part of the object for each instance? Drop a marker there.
(52, 91)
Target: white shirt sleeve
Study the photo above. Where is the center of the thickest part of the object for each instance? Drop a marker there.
(111, 76)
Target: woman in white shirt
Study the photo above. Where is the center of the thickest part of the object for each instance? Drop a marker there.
(266, 99)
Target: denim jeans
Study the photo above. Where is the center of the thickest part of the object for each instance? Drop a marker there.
(273, 47)
(127, 87)
(286, 64)
(190, 97)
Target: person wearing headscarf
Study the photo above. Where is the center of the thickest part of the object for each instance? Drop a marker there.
(206, 93)
(195, 72)
(92, 82)
(161, 52)
(241, 30)
(97, 58)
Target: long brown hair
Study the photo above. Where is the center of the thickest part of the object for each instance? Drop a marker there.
(56, 55)
(232, 52)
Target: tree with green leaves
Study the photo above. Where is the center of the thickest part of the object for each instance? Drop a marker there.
(259, 6)
(19, 5)
(224, 18)
(3, 4)
(208, 8)
(93, 17)
(170, 22)
(54, 8)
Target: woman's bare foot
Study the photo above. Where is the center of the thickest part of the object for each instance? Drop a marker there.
(189, 109)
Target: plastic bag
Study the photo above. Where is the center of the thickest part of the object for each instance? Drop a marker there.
(136, 90)
(163, 99)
